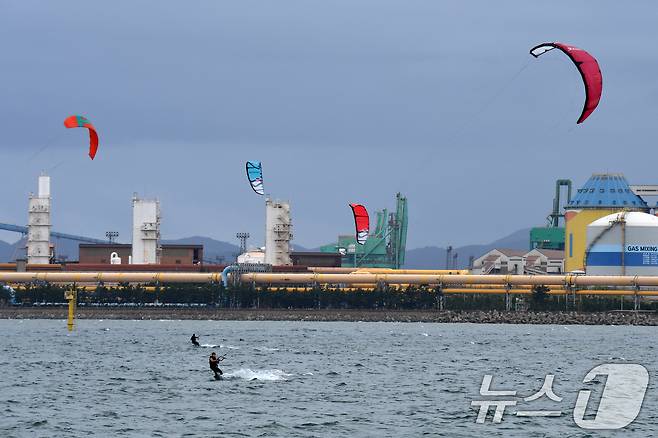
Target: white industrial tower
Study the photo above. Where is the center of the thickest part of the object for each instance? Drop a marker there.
(278, 233)
(38, 224)
(146, 231)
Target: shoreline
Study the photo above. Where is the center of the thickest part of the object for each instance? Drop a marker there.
(346, 315)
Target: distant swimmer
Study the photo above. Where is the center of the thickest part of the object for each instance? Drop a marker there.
(195, 339)
(214, 361)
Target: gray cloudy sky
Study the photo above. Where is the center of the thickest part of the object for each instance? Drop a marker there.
(343, 101)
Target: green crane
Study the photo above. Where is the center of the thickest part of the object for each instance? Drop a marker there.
(386, 244)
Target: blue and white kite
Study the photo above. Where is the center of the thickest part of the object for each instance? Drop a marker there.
(255, 176)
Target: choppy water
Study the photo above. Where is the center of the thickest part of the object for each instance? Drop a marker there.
(143, 378)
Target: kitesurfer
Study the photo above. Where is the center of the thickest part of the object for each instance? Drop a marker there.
(195, 339)
(213, 361)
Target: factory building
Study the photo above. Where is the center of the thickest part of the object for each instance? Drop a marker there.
(500, 261)
(516, 262)
(181, 254)
(552, 235)
(544, 261)
(624, 243)
(99, 253)
(316, 259)
(298, 258)
(600, 196)
(170, 254)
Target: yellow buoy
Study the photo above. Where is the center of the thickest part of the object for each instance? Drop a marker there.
(71, 296)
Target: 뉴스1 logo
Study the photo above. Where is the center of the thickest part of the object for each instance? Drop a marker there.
(619, 406)
(621, 400)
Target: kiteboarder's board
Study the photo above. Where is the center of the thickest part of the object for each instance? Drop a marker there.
(218, 378)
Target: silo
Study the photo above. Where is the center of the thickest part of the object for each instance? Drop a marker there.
(601, 195)
(624, 243)
(39, 224)
(146, 231)
(278, 233)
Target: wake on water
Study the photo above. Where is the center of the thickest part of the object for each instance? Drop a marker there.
(230, 347)
(272, 375)
(264, 375)
(266, 349)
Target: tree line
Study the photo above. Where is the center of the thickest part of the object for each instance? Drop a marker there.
(247, 296)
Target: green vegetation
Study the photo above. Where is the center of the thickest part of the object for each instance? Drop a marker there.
(5, 296)
(247, 297)
(539, 297)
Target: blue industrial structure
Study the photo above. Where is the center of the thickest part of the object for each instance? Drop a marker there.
(606, 191)
(602, 195)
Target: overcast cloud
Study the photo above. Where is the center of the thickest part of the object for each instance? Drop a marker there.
(342, 101)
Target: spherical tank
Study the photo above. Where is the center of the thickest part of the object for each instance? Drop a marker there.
(624, 243)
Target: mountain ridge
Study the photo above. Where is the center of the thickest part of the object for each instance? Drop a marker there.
(218, 251)
(433, 257)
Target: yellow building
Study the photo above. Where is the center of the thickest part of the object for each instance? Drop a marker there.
(602, 194)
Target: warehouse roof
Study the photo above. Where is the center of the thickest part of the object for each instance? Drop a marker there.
(511, 252)
(551, 253)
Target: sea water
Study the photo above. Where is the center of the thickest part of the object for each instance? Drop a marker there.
(144, 378)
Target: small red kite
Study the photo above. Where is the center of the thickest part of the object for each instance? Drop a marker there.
(82, 122)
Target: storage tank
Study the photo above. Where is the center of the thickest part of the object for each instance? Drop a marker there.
(600, 196)
(255, 256)
(624, 243)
